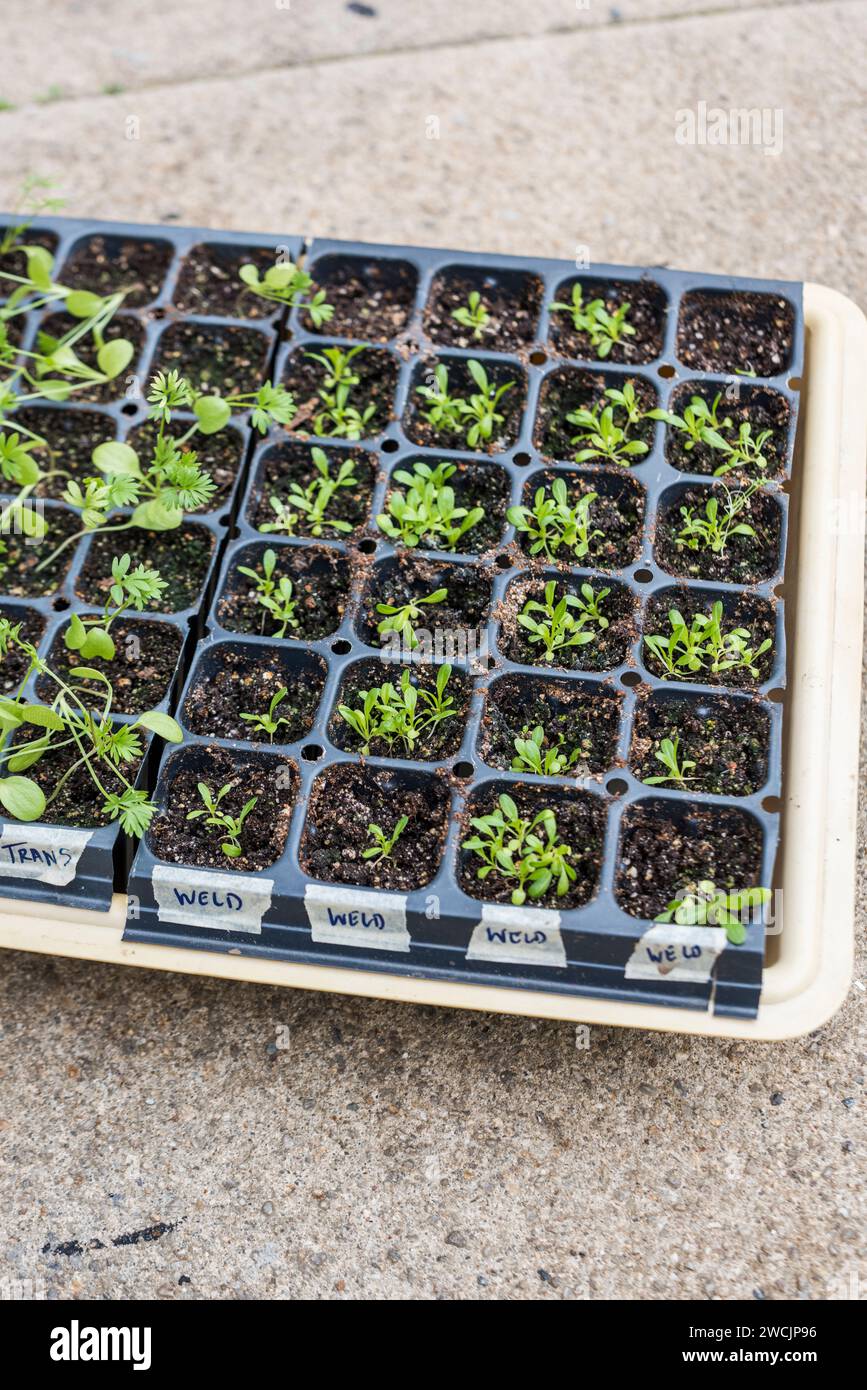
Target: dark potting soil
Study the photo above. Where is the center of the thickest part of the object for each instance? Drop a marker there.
(107, 264)
(461, 384)
(408, 579)
(609, 647)
(726, 739)
(666, 851)
(372, 299)
(754, 614)
(239, 681)
(289, 463)
(209, 281)
(442, 742)
(617, 511)
(272, 780)
(182, 557)
(474, 485)
(513, 303)
(20, 576)
(71, 437)
(320, 579)
(15, 262)
(121, 326)
(79, 801)
(345, 800)
(580, 824)
(212, 357)
(587, 720)
(568, 389)
(744, 560)
(738, 331)
(376, 370)
(762, 408)
(218, 454)
(647, 309)
(141, 671)
(14, 665)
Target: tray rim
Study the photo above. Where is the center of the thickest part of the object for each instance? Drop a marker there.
(808, 982)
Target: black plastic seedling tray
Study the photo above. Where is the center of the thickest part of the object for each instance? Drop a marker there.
(440, 930)
(84, 867)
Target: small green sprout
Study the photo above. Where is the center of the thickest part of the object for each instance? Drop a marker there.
(700, 423)
(312, 502)
(221, 821)
(559, 627)
(400, 715)
(668, 754)
(702, 645)
(602, 438)
(531, 756)
(275, 596)
(267, 723)
(705, 905)
(473, 314)
(130, 588)
(383, 846)
(339, 416)
(602, 328)
(426, 511)
(552, 523)
(476, 417)
(714, 530)
(523, 850)
(402, 618)
(746, 452)
(286, 283)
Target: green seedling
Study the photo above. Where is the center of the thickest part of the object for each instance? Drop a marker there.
(531, 755)
(702, 645)
(705, 905)
(426, 512)
(269, 722)
(400, 715)
(602, 328)
(310, 504)
(563, 623)
(668, 754)
(221, 821)
(602, 438)
(130, 588)
(383, 845)
(553, 523)
(276, 596)
(746, 451)
(476, 416)
(339, 416)
(720, 522)
(473, 314)
(401, 619)
(700, 423)
(522, 850)
(69, 721)
(286, 283)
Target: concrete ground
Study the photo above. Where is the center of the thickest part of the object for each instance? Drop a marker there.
(376, 1150)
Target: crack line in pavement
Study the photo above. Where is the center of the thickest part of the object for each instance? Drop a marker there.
(561, 31)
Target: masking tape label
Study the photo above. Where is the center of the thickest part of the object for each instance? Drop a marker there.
(517, 936)
(672, 952)
(49, 853)
(221, 902)
(353, 917)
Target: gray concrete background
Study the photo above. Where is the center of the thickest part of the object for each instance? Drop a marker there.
(310, 1146)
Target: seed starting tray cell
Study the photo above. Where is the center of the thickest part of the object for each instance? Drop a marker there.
(441, 930)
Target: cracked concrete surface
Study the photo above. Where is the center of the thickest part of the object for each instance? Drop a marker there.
(253, 1142)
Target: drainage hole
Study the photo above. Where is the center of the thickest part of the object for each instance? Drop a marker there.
(464, 769)
(341, 646)
(630, 678)
(617, 786)
(390, 446)
(367, 547)
(312, 752)
(644, 576)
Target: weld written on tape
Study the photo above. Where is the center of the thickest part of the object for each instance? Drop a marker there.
(518, 936)
(672, 952)
(49, 853)
(352, 917)
(221, 902)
